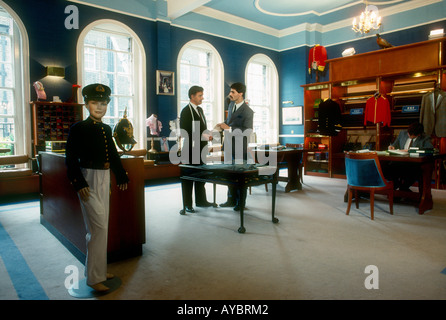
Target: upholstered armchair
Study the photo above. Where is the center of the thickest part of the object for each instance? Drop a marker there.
(364, 174)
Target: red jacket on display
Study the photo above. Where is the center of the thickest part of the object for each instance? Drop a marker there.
(377, 109)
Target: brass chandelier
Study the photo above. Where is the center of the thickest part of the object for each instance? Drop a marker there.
(368, 20)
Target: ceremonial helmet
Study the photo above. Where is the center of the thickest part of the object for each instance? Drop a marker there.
(123, 134)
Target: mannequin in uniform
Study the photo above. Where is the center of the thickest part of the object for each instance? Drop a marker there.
(90, 154)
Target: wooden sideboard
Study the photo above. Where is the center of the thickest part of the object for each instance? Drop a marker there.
(61, 214)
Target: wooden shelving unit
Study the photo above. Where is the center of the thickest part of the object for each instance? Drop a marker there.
(51, 121)
(401, 74)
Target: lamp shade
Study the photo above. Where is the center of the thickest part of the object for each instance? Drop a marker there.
(55, 71)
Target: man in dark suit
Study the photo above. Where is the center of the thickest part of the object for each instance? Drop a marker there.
(414, 136)
(240, 118)
(404, 175)
(193, 122)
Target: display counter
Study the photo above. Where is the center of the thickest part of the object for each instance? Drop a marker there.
(61, 214)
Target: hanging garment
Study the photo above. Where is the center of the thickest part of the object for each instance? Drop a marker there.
(377, 109)
(329, 118)
(433, 113)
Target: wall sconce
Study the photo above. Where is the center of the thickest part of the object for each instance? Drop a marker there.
(438, 33)
(55, 71)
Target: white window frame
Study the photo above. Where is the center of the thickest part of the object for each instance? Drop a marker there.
(273, 101)
(217, 77)
(139, 74)
(21, 90)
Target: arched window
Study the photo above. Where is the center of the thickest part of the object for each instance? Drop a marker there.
(15, 131)
(110, 53)
(262, 87)
(200, 64)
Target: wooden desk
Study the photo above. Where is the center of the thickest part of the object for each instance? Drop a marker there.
(239, 176)
(61, 214)
(424, 195)
(292, 157)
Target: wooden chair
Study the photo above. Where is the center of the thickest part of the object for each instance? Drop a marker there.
(364, 174)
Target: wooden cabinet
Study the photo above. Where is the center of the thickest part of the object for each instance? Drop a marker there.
(51, 121)
(323, 148)
(400, 74)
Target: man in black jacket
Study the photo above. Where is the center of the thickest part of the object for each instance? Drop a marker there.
(193, 123)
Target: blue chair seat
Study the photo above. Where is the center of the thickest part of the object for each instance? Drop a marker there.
(364, 173)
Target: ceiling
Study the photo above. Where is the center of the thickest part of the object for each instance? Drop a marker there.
(279, 24)
(279, 14)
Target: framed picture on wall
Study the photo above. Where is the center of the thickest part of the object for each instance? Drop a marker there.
(292, 115)
(165, 82)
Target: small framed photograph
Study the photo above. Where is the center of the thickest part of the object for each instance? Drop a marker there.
(292, 115)
(165, 82)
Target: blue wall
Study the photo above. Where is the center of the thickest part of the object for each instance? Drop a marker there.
(52, 44)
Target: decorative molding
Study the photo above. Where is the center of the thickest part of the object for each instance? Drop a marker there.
(279, 34)
(242, 22)
(319, 14)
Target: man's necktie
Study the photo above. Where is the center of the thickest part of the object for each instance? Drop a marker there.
(410, 144)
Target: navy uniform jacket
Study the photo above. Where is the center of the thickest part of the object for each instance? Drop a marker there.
(90, 145)
(329, 118)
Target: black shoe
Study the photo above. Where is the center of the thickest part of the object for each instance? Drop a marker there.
(227, 204)
(189, 209)
(238, 207)
(205, 204)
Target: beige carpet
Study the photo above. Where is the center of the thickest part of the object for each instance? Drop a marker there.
(314, 252)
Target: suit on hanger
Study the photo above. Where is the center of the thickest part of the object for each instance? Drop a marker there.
(194, 123)
(433, 113)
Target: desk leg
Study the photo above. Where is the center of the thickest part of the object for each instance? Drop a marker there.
(183, 211)
(273, 209)
(426, 202)
(215, 192)
(243, 191)
(293, 172)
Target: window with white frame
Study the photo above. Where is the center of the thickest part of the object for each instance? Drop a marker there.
(113, 56)
(13, 134)
(262, 94)
(200, 64)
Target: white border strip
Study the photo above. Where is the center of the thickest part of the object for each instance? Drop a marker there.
(291, 135)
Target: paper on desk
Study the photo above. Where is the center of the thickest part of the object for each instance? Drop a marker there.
(398, 152)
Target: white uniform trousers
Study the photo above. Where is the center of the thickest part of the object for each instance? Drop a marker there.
(96, 212)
